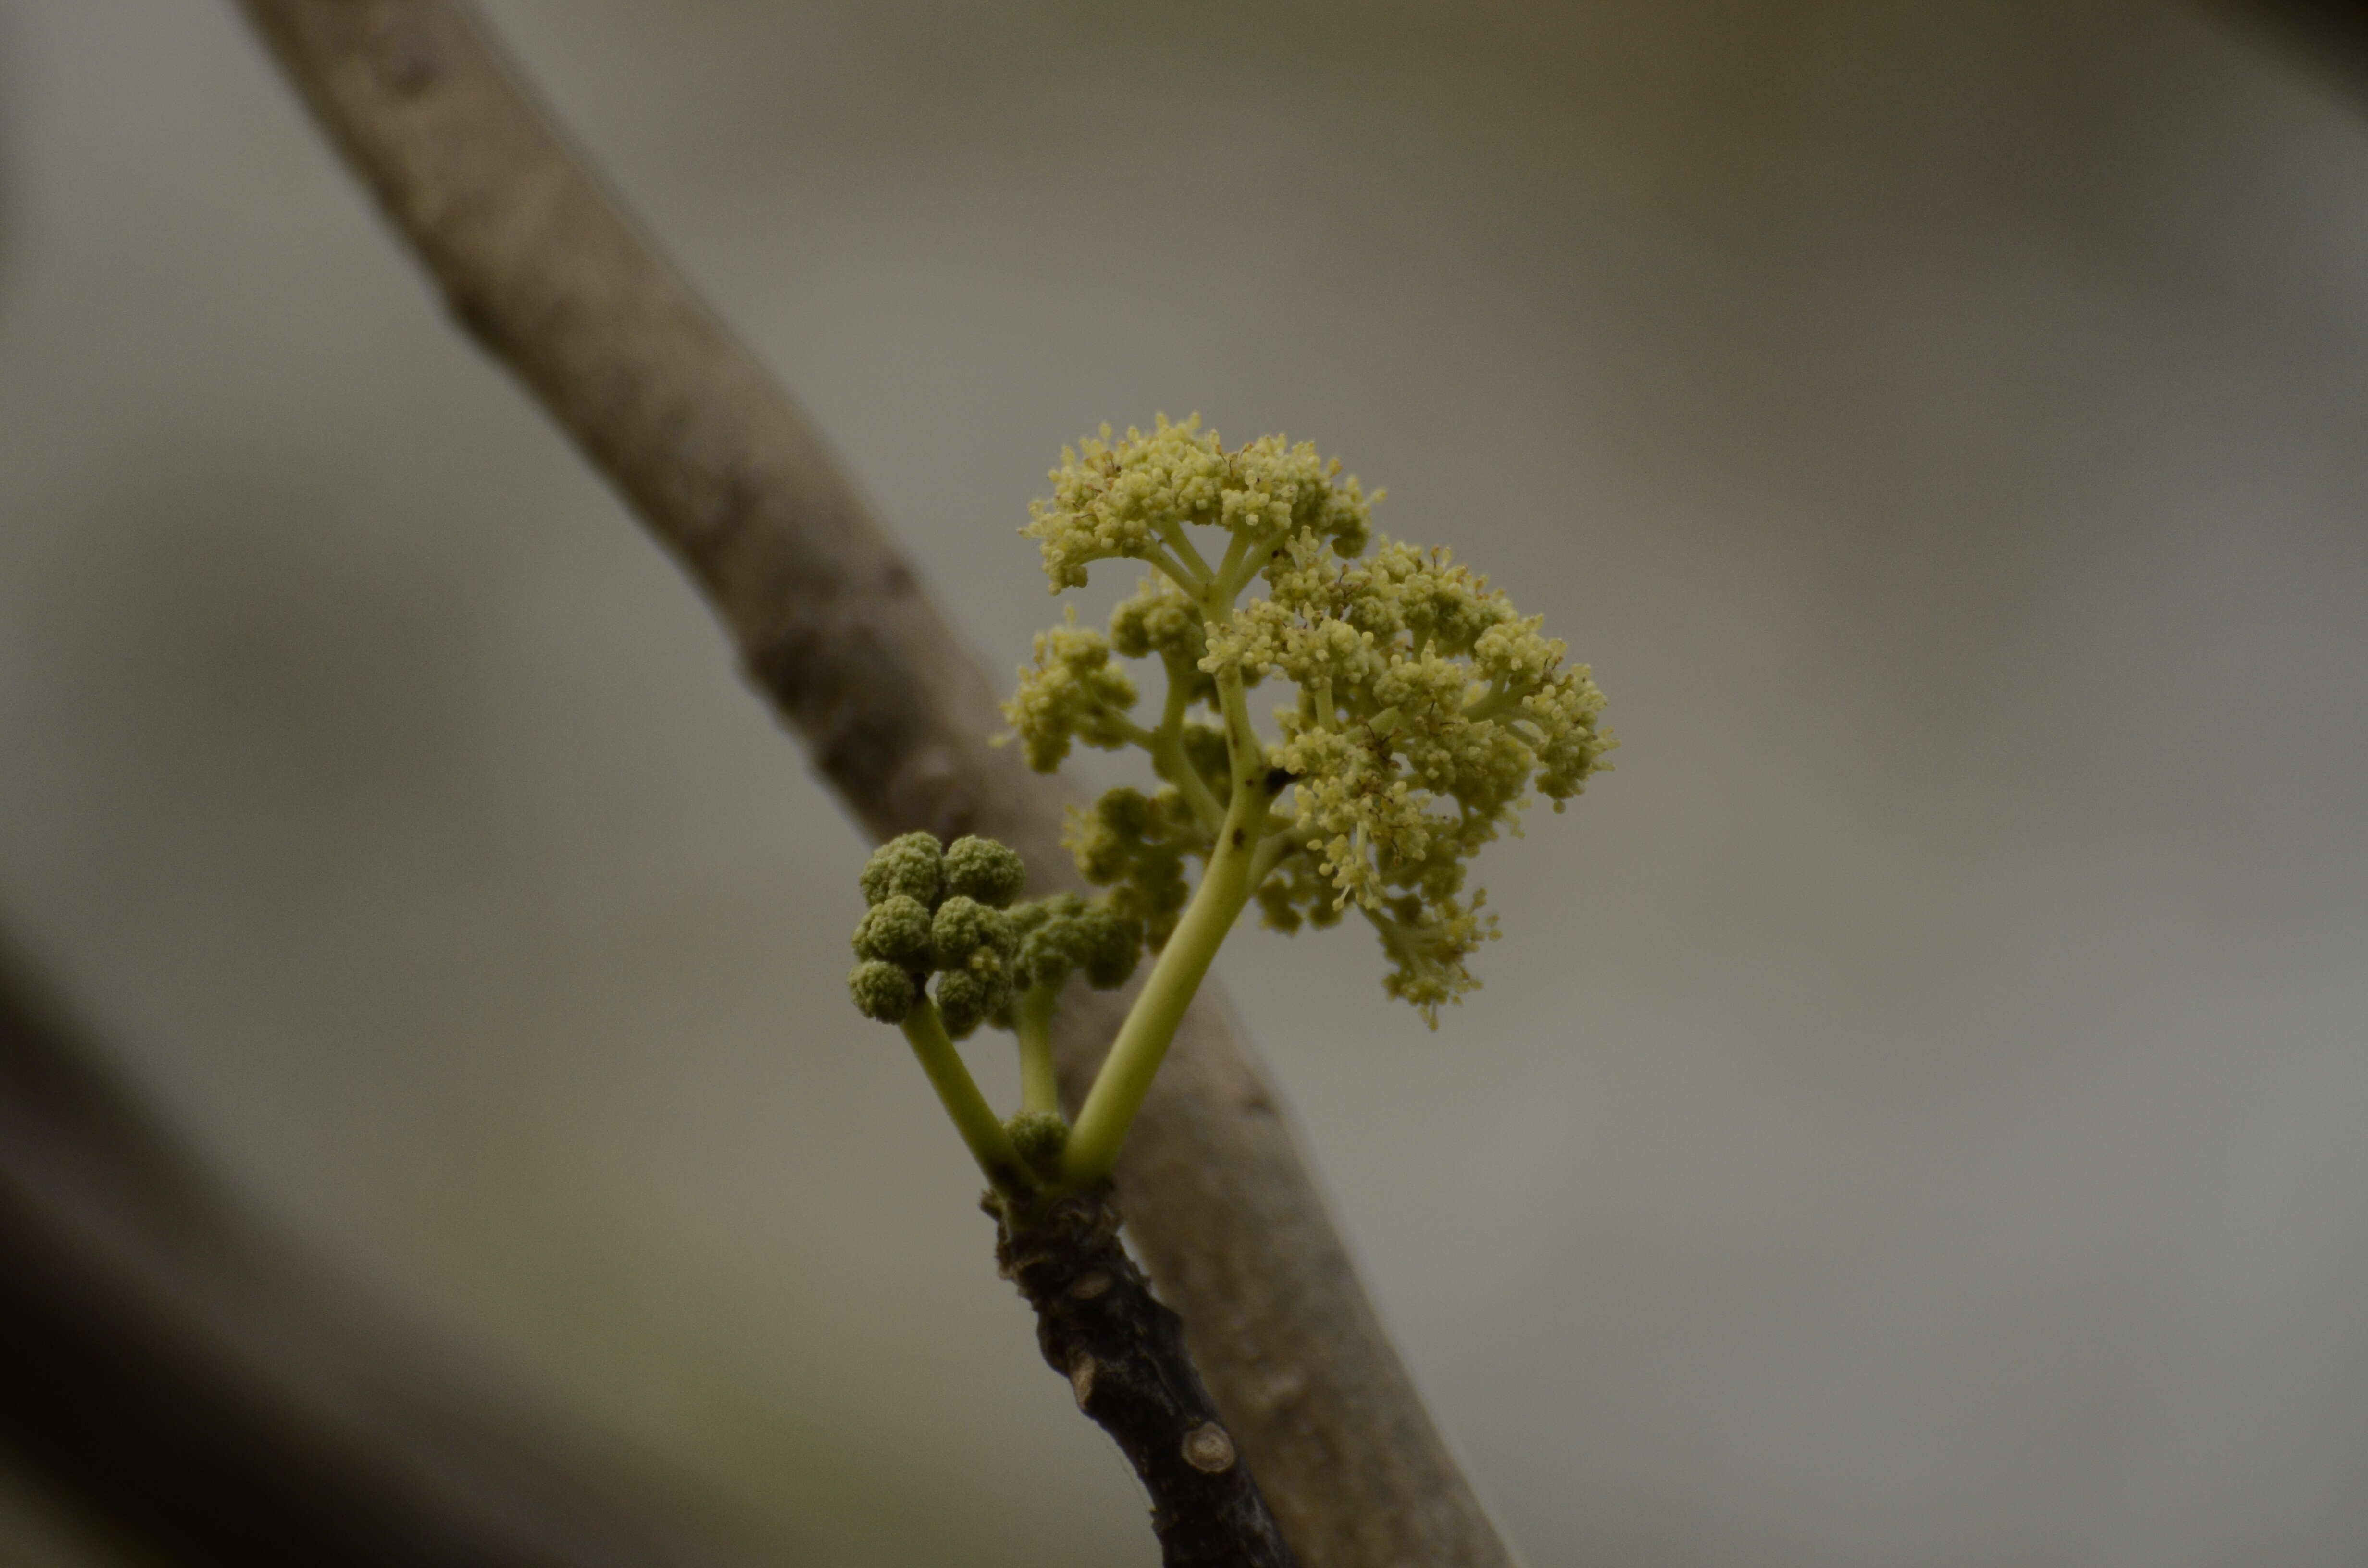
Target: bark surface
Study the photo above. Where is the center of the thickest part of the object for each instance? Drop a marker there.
(1122, 1351)
(537, 261)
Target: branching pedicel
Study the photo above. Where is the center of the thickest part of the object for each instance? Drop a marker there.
(1423, 711)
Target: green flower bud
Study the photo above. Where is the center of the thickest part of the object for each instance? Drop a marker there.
(981, 868)
(1043, 927)
(882, 991)
(1064, 934)
(1030, 917)
(896, 930)
(912, 865)
(1110, 948)
(965, 926)
(1040, 1136)
(967, 999)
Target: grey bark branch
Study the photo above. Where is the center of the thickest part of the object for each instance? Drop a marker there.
(538, 264)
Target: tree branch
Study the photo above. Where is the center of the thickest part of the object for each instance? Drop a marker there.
(181, 1377)
(1099, 1326)
(537, 261)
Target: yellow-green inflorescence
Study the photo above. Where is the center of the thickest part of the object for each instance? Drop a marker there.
(1422, 713)
(1425, 710)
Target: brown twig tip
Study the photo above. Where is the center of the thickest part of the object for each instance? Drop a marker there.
(1122, 1351)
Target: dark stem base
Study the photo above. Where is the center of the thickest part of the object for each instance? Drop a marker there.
(1122, 1351)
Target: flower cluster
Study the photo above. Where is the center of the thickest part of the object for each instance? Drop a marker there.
(1135, 844)
(1134, 499)
(1074, 693)
(950, 912)
(1064, 935)
(1427, 709)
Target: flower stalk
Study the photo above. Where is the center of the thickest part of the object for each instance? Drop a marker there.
(1151, 1024)
(980, 1128)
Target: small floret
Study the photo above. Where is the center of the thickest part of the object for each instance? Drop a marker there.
(984, 869)
(1297, 894)
(1135, 845)
(967, 999)
(882, 991)
(1064, 934)
(1072, 693)
(1112, 946)
(1427, 955)
(1043, 926)
(966, 931)
(1158, 619)
(896, 930)
(911, 865)
(1040, 1136)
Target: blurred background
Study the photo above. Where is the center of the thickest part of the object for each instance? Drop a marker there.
(1914, 1114)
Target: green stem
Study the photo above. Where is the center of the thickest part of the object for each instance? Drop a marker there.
(1127, 729)
(1150, 1026)
(1166, 746)
(1243, 748)
(1488, 704)
(1224, 588)
(1182, 543)
(1272, 849)
(1181, 670)
(1176, 570)
(972, 1117)
(1168, 761)
(1033, 1016)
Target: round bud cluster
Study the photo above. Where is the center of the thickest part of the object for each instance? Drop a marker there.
(1064, 935)
(882, 991)
(983, 869)
(1040, 1136)
(896, 930)
(938, 910)
(971, 947)
(913, 865)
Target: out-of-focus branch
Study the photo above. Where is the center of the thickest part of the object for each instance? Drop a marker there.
(171, 1370)
(538, 264)
(2329, 37)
